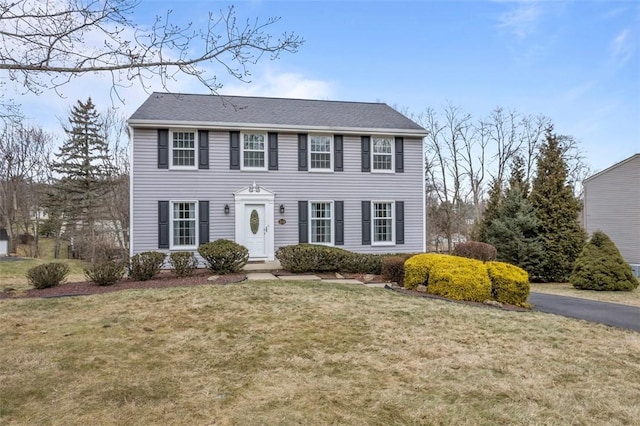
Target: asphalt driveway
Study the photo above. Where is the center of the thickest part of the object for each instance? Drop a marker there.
(611, 314)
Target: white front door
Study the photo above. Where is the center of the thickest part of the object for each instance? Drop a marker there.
(255, 230)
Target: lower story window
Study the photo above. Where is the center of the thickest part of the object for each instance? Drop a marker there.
(320, 222)
(183, 222)
(382, 222)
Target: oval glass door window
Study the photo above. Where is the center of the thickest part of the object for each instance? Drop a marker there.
(254, 221)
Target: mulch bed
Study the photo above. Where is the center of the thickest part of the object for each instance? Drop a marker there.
(163, 280)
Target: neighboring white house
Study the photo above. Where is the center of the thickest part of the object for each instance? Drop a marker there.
(270, 172)
(4, 242)
(612, 205)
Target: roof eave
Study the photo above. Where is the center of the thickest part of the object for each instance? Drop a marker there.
(145, 123)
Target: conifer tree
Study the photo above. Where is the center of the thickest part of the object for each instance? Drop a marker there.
(557, 210)
(513, 230)
(490, 212)
(83, 175)
(601, 267)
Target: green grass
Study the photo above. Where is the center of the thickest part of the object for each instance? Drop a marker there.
(310, 353)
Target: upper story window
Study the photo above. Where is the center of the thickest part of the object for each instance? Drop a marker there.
(183, 224)
(320, 152)
(382, 153)
(320, 221)
(383, 222)
(254, 151)
(183, 149)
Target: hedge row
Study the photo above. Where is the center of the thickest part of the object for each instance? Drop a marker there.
(303, 258)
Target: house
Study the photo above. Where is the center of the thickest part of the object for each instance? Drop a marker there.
(270, 172)
(612, 205)
(4, 242)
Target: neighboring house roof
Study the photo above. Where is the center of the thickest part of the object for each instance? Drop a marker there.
(608, 169)
(240, 112)
(4, 236)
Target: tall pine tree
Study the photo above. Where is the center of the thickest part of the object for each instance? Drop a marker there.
(557, 209)
(82, 168)
(513, 229)
(490, 212)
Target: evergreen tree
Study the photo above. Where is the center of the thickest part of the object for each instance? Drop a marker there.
(490, 212)
(557, 210)
(513, 230)
(81, 165)
(600, 266)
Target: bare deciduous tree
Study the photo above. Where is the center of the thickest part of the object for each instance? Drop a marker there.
(45, 44)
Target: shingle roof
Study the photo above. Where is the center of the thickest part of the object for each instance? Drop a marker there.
(270, 112)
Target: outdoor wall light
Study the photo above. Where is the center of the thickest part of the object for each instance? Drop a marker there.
(226, 209)
(281, 208)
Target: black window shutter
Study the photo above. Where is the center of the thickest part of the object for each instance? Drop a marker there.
(273, 151)
(234, 150)
(163, 148)
(302, 152)
(338, 207)
(399, 222)
(366, 154)
(203, 149)
(366, 223)
(163, 224)
(303, 222)
(203, 219)
(338, 164)
(399, 155)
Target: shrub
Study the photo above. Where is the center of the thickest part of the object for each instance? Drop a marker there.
(359, 263)
(509, 283)
(224, 256)
(476, 250)
(183, 263)
(417, 268)
(460, 279)
(600, 266)
(144, 266)
(47, 275)
(393, 269)
(302, 258)
(105, 273)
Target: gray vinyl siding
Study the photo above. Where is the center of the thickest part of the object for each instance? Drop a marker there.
(218, 183)
(612, 205)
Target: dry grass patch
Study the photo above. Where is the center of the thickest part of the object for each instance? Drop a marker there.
(283, 353)
(631, 298)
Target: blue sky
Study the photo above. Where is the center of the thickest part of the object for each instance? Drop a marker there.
(577, 62)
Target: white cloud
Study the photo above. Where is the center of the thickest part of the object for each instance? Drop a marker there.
(522, 19)
(622, 47)
(282, 85)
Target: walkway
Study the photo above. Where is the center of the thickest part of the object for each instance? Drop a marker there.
(612, 314)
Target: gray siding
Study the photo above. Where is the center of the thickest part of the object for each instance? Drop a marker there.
(218, 183)
(612, 205)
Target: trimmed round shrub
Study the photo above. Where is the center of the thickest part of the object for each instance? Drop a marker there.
(105, 273)
(600, 266)
(418, 267)
(183, 263)
(224, 256)
(509, 283)
(47, 275)
(460, 279)
(476, 250)
(393, 269)
(144, 266)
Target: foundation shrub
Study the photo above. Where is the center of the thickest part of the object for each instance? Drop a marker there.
(393, 269)
(146, 265)
(460, 279)
(302, 258)
(105, 273)
(183, 263)
(47, 275)
(509, 283)
(224, 256)
(418, 267)
(476, 250)
(360, 263)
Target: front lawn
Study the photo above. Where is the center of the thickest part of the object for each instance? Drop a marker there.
(310, 353)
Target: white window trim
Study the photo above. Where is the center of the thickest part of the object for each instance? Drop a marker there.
(393, 224)
(331, 154)
(265, 151)
(333, 222)
(195, 149)
(393, 155)
(172, 246)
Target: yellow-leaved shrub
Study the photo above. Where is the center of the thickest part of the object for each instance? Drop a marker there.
(416, 268)
(509, 283)
(459, 278)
